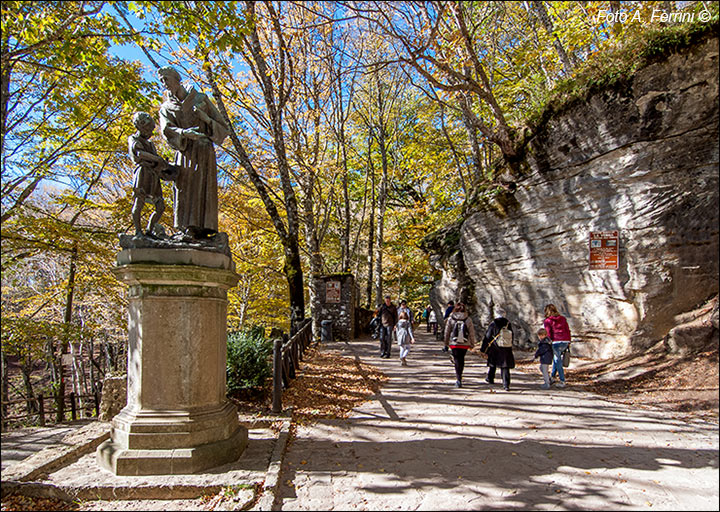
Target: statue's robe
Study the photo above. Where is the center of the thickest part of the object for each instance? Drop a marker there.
(195, 189)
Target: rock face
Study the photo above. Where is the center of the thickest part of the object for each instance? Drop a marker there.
(642, 160)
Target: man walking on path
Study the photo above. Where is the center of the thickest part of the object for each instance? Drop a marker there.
(415, 446)
(387, 312)
(448, 311)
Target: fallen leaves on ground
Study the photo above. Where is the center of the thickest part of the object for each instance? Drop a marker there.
(17, 502)
(686, 385)
(330, 386)
(327, 386)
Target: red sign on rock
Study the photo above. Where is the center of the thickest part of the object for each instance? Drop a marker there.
(604, 247)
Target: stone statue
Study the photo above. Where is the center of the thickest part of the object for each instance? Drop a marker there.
(149, 169)
(191, 124)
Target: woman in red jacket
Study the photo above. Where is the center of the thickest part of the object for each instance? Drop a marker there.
(559, 332)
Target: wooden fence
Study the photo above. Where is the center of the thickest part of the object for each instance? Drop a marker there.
(71, 399)
(286, 360)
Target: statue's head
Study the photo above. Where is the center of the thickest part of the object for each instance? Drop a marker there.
(144, 123)
(169, 77)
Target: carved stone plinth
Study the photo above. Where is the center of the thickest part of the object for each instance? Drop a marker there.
(177, 419)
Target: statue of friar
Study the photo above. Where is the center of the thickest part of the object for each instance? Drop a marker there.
(191, 124)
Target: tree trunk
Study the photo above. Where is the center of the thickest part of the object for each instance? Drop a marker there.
(293, 272)
(60, 390)
(313, 247)
(5, 386)
(548, 24)
(288, 234)
(475, 155)
(371, 228)
(345, 237)
(382, 205)
(26, 369)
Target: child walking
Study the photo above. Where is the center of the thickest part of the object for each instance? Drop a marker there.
(404, 335)
(545, 353)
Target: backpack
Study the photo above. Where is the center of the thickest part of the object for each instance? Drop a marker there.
(505, 337)
(458, 333)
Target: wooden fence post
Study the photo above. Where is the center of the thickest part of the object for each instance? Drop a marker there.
(73, 411)
(277, 376)
(41, 409)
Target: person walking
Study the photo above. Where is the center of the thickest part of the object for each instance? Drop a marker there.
(460, 337)
(497, 347)
(449, 309)
(432, 322)
(545, 353)
(448, 312)
(404, 308)
(558, 331)
(388, 314)
(426, 316)
(404, 335)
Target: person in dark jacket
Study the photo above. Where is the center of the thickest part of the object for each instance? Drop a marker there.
(388, 314)
(545, 353)
(497, 356)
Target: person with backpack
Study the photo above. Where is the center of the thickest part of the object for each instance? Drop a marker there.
(558, 331)
(497, 347)
(448, 311)
(460, 337)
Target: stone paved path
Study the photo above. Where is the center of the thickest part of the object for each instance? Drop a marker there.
(21, 443)
(422, 444)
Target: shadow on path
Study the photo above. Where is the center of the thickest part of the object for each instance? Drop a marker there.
(421, 443)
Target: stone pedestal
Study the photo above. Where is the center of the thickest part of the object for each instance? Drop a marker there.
(177, 419)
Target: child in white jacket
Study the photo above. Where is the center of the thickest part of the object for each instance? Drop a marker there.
(404, 335)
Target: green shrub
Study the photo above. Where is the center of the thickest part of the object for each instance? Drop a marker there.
(249, 361)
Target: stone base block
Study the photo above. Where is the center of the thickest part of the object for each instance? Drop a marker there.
(182, 461)
(166, 430)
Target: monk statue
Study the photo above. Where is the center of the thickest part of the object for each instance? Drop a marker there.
(191, 125)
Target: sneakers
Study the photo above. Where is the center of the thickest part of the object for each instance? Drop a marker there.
(545, 386)
(560, 384)
(458, 384)
(403, 362)
(489, 382)
(506, 389)
(445, 349)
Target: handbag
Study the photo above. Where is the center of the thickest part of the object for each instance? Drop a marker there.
(566, 357)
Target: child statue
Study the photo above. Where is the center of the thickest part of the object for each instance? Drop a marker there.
(149, 169)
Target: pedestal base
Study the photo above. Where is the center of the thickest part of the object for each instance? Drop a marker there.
(177, 419)
(179, 461)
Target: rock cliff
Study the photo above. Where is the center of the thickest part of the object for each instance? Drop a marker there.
(641, 159)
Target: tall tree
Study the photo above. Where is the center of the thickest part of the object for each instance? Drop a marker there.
(542, 13)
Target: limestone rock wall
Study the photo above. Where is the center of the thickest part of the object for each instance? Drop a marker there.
(642, 160)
